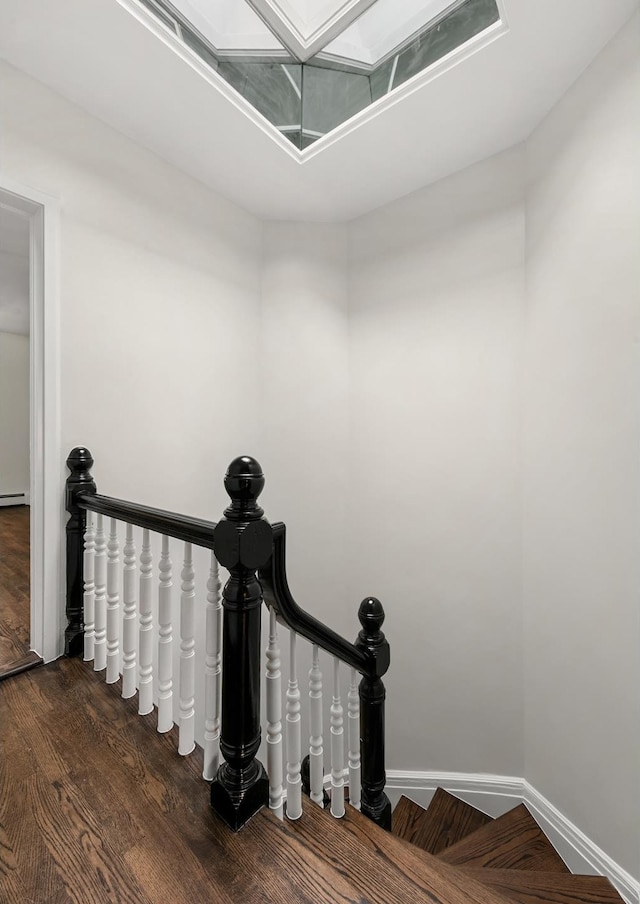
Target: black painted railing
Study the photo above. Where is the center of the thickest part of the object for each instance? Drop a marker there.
(253, 551)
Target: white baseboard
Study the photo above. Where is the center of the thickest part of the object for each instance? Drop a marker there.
(495, 794)
(14, 499)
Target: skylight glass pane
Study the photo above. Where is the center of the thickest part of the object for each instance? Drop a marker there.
(226, 24)
(456, 29)
(272, 88)
(330, 97)
(305, 101)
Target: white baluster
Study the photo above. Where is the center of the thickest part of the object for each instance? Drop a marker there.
(316, 766)
(165, 642)
(100, 562)
(212, 684)
(145, 630)
(274, 717)
(337, 746)
(353, 720)
(294, 744)
(129, 665)
(186, 740)
(89, 598)
(113, 605)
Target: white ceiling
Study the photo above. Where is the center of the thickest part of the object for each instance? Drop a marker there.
(163, 97)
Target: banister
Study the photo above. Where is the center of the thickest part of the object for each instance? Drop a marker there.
(182, 527)
(273, 578)
(254, 552)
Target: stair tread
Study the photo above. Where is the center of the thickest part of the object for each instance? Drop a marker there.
(290, 871)
(531, 887)
(383, 868)
(513, 841)
(446, 821)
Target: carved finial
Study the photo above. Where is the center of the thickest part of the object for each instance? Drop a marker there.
(244, 481)
(371, 616)
(79, 460)
(371, 638)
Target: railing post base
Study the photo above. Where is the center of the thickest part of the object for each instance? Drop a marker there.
(236, 805)
(380, 813)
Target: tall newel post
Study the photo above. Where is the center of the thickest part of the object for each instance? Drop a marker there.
(375, 803)
(79, 481)
(243, 543)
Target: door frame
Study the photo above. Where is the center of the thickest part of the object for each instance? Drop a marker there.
(46, 464)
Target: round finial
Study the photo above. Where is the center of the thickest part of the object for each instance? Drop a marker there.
(371, 615)
(244, 481)
(80, 459)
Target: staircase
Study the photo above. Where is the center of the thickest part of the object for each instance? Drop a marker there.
(450, 853)
(128, 820)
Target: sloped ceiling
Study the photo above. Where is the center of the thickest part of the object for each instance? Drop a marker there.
(112, 59)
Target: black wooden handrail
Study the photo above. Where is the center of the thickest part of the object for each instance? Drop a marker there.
(273, 578)
(182, 527)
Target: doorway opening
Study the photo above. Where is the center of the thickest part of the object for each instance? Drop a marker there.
(15, 475)
(30, 484)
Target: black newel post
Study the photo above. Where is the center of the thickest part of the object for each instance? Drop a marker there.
(243, 543)
(79, 480)
(375, 803)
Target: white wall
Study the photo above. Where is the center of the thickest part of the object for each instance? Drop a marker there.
(14, 414)
(581, 453)
(160, 299)
(437, 293)
(303, 376)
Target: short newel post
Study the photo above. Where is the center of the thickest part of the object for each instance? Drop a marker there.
(243, 543)
(375, 803)
(79, 481)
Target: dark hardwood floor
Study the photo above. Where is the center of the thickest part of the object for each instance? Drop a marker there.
(96, 807)
(15, 654)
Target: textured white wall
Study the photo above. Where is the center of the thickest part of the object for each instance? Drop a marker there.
(14, 413)
(437, 294)
(581, 453)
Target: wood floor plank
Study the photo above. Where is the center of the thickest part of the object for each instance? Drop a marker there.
(446, 821)
(14, 585)
(90, 870)
(401, 872)
(34, 872)
(526, 887)
(292, 871)
(513, 841)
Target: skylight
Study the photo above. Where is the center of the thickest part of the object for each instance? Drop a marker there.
(309, 65)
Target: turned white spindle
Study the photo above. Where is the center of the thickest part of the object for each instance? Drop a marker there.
(100, 564)
(113, 604)
(89, 597)
(294, 743)
(165, 642)
(145, 629)
(274, 717)
(353, 721)
(212, 683)
(337, 746)
(186, 737)
(316, 766)
(129, 604)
